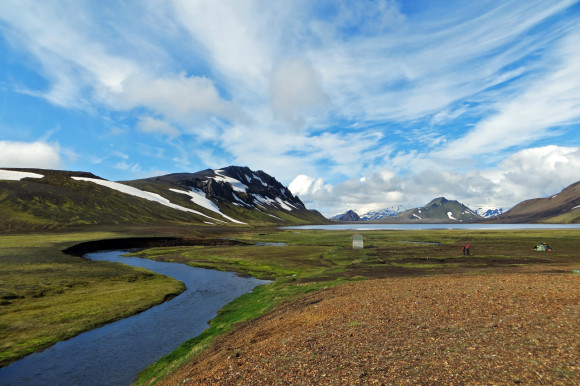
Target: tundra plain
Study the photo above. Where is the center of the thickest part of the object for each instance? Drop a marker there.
(310, 267)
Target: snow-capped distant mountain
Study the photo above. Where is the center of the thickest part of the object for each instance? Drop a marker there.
(487, 212)
(378, 213)
(368, 215)
(441, 209)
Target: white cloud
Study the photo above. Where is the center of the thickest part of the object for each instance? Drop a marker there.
(530, 173)
(305, 185)
(152, 125)
(295, 91)
(421, 68)
(70, 59)
(29, 155)
(537, 172)
(537, 112)
(237, 38)
(177, 97)
(76, 57)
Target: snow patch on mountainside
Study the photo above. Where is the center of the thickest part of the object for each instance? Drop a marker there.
(255, 177)
(285, 204)
(237, 185)
(261, 200)
(141, 194)
(450, 215)
(12, 175)
(198, 197)
(239, 201)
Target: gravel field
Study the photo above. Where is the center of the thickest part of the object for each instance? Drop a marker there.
(500, 328)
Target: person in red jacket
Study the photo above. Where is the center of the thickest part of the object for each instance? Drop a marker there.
(467, 249)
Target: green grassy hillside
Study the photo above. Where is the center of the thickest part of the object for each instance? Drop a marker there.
(58, 201)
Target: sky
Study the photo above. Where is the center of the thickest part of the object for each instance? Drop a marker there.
(352, 105)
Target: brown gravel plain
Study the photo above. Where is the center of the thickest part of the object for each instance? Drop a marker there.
(504, 327)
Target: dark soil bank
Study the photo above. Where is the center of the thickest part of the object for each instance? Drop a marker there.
(142, 243)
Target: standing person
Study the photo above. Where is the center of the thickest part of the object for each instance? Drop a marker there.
(463, 249)
(467, 249)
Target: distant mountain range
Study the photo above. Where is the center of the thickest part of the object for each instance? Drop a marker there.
(439, 209)
(368, 215)
(563, 207)
(51, 199)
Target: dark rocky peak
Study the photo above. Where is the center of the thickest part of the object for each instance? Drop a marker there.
(438, 201)
(349, 215)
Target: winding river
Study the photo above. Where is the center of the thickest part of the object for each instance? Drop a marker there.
(115, 353)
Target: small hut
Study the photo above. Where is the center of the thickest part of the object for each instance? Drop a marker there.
(357, 241)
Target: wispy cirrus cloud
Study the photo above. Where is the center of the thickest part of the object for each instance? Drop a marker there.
(538, 111)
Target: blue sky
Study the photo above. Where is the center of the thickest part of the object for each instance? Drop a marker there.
(366, 105)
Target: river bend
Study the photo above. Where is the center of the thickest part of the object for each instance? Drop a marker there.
(115, 353)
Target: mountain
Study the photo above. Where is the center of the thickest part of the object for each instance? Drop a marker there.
(487, 212)
(440, 209)
(349, 215)
(370, 215)
(563, 207)
(378, 214)
(50, 199)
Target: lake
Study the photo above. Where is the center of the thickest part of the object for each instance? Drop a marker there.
(115, 353)
(423, 226)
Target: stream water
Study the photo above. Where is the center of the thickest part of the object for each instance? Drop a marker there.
(115, 353)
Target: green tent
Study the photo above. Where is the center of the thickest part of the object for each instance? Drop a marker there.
(543, 247)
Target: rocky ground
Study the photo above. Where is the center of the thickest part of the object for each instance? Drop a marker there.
(503, 327)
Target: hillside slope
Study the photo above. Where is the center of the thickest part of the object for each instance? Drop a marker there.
(563, 207)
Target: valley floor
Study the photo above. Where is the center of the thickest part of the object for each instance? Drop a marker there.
(512, 325)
